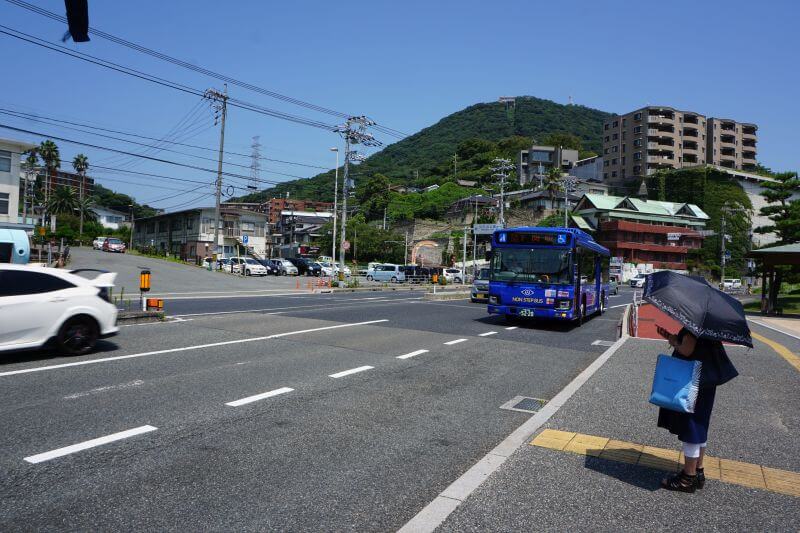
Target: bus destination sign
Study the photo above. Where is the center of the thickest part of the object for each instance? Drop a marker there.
(541, 239)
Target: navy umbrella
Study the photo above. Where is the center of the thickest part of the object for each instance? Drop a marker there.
(703, 310)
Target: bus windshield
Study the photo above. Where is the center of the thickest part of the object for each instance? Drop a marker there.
(543, 265)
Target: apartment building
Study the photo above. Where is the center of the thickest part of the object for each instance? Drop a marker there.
(652, 138)
(537, 161)
(10, 153)
(731, 144)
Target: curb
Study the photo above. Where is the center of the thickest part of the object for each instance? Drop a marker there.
(139, 317)
(447, 296)
(436, 512)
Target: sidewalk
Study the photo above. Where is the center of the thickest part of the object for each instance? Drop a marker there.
(756, 421)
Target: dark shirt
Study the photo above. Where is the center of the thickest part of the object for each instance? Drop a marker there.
(716, 368)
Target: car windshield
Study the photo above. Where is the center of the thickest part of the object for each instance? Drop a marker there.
(483, 274)
(533, 266)
(114, 241)
(251, 261)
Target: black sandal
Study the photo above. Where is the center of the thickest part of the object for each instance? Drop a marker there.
(682, 482)
(701, 478)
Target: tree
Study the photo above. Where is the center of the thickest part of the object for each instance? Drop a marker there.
(373, 196)
(562, 139)
(85, 207)
(553, 184)
(782, 211)
(62, 201)
(52, 160)
(81, 165)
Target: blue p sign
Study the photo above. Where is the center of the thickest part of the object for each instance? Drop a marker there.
(245, 238)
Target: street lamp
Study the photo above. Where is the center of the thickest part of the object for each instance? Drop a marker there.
(335, 204)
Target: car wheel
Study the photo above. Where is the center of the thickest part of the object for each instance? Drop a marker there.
(247, 272)
(370, 278)
(78, 335)
(394, 279)
(602, 307)
(457, 280)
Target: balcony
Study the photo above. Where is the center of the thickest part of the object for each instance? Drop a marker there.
(690, 146)
(690, 132)
(750, 143)
(690, 119)
(749, 156)
(667, 132)
(660, 160)
(727, 127)
(729, 152)
(660, 143)
(690, 159)
(727, 139)
(727, 162)
(749, 132)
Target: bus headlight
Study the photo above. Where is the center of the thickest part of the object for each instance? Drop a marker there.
(563, 304)
(494, 299)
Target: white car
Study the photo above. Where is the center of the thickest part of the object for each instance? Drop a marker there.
(250, 265)
(453, 275)
(97, 244)
(347, 271)
(731, 283)
(325, 269)
(43, 305)
(638, 281)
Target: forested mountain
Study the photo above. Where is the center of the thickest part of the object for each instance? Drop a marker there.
(476, 135)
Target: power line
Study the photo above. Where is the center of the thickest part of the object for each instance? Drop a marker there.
(197, 68)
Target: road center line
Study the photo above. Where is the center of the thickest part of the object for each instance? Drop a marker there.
(184, 348)
(487, 334)
(511, 327)
(450, 343)
(320, 306)
(251, 399)
(412, 354)
(615, 306)
(351, 371)
(60, 452)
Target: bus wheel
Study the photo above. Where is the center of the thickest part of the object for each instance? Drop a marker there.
(602, 306)
(582, 313)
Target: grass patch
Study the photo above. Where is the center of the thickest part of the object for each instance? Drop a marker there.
(789, 304)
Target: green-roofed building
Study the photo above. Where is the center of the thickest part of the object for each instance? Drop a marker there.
(642, 231)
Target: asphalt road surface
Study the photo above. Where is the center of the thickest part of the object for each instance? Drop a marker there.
(297, 412)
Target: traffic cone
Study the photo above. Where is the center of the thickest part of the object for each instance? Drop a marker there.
(297, 284)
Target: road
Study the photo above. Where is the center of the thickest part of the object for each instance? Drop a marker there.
(293, 412)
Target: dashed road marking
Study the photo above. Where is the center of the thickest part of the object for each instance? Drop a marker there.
(487, 334)
(602, 343)
(60, 452)
(255, 398)
(511, 327)
(456, 341)
(351, 371)
(412, 354)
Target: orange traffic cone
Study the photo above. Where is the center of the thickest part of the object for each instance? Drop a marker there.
(297, 284)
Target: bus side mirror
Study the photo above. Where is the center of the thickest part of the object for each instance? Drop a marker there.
(488, 255)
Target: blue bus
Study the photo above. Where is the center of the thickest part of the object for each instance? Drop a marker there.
(553, 273)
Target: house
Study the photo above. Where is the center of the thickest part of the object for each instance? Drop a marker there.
(590, 168)
(300, 227)
(189, 233)
(642, 231)
(466, 183)
(537, 161)
(110, 218)
(10, 155)
(431, 188)
(540, 201)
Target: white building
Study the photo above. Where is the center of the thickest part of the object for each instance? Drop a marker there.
(110, 218)
(10, 155)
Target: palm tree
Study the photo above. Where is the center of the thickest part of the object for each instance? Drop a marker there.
(85, 207)
(553, 184)
(49, 153)
(62, 201)
(81, 165)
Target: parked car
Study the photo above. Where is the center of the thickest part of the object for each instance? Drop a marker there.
(97, 244)
(613, 286)
(112, 244)
(305, 266)
(417, 274)
(388, 272)
(266, 264)
(40, 306)
(251, 266)
(369, 270)
(638, 281)
(731, 283)
(453, 275)
(284, 267)
(325, 268)
(347, 271)
(480, 286)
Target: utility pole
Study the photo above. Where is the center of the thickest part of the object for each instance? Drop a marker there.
(255, 164)
(354, 131)
(219, 102)
(500, 170)
(335, 205)
(723, 238)
(405, 250)
(464, 259)
(130, 243)
(568, 183)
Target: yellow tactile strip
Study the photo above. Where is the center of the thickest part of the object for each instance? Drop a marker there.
(781, 350)
(735, 472)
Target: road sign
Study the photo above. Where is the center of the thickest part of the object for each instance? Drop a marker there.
(346, 245)
(727, 254)
(485, 229)
(245, 238)
(673, 236)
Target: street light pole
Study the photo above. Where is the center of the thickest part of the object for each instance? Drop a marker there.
(335, 204)
(130, 243)
(220, 103)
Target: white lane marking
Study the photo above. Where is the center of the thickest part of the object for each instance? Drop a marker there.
(351, 371)
(511, 327)
(772, 328)
(98, 390)
(60, 452)
(183, 349)
(450, 343)
(251, 399)
(276, 310)
(602, 343)
(615, 306)
(487, 334)
(412, 354)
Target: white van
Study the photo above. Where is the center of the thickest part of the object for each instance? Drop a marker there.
(388, 272)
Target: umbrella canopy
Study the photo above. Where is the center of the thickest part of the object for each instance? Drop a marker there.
(702, 309)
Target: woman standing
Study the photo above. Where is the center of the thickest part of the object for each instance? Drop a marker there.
(692, 428)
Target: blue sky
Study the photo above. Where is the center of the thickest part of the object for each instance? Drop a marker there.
(405, 64)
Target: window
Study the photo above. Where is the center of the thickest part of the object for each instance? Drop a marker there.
(4, 203)
(605, 175)
(637, 142)
(605, 151)
(162, 226)
(623, 159)
(5, 161)
(615, 136)
(607, 139)
(637, 156)
(605, 163)
(623, 148)
(616, 123)
(614, 174)
(587, 266)
(615, 149)
(624, 122)
(637, 169)
(189, 223)
(614, 161)
(637, 116)
(19, 282)
(637, 129)
(623, 135)
(605, 126)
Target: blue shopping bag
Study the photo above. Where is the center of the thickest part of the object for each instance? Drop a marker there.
(675, 384)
